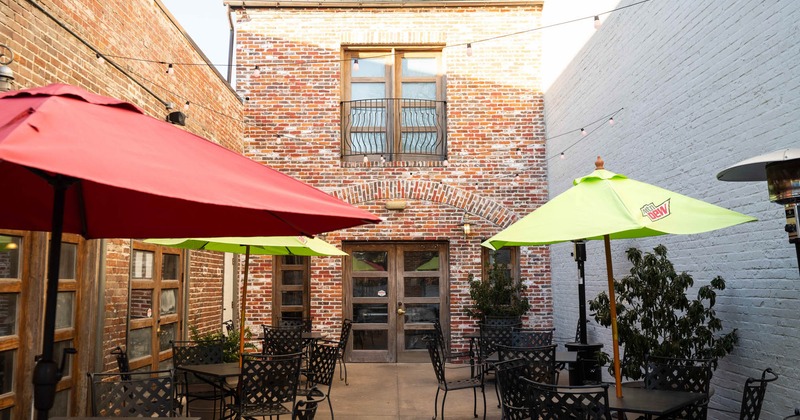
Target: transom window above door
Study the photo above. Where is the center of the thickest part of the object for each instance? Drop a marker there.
(393, 105)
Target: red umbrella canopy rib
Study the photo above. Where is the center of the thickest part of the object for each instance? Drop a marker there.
(139, 177)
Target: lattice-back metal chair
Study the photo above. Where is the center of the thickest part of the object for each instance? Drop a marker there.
(302, 323)
(282, 340)
(193, 387)
(320, 369)
(514, 393)
(267, 384)
(531, 337)
(142, 394)
(473, 381)
(306, 408)
(492, 336)
(541, 361)
(753, 395)
(559, 402)
(344, 335)
(502, 321)
(122, 362)
(693, 375)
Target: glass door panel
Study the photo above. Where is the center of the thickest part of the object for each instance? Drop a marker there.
(395, 291)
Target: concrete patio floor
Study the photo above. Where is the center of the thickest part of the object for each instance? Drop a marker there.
(400, 391)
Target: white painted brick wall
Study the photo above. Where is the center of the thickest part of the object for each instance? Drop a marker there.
(704, 84)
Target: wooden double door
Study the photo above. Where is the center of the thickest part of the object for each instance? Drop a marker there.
(393, 292)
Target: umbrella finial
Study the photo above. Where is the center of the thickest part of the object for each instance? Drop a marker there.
(598, 164)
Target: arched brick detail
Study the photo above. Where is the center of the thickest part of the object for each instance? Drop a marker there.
(435, 192)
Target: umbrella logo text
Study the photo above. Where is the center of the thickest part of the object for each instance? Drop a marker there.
(655, 213)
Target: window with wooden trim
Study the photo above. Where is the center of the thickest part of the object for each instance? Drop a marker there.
(290, 288)
(154, 308)
(12, 264)
(393, 104)
(507, 256)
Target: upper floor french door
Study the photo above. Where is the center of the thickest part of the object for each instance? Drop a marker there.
(393, 293)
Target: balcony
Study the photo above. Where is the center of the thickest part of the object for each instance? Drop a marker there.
(394, 129)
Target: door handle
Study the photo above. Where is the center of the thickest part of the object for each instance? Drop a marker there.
(401, 311)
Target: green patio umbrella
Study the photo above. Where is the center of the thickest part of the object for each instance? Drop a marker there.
(257, 245)
(605, 205)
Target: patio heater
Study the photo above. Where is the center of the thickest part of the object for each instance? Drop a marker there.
(781, 170)
(587, 368)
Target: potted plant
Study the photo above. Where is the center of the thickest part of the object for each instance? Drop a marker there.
(230, 341)
(655, 316)
(498, 295)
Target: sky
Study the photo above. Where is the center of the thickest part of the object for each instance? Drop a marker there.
(206, 22)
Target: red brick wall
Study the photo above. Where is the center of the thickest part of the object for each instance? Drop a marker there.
(495, 131)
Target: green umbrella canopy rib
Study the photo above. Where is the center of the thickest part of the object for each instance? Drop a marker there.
(259, 245)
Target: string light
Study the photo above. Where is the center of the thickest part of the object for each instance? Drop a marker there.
(100, 59)
(366, 159)
(597, 23)
(584, 132)
(355, 65)
(186, 106)
(596, 19)
(256, 71)
(170, 69)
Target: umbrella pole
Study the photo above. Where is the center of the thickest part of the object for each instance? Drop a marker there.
(580, 258)
(613, 305)
(46, 373)
(244, 302)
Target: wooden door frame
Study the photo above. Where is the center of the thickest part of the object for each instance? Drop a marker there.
(394, 273)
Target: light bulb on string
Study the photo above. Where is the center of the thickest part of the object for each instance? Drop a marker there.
(584, 133)
(469, 50)
(597, 23)
(100, 59)
(562, 156)
(170, 69)
(366, 159)
(611, 121)
(186, 106)
(256, 71)
(355, 65)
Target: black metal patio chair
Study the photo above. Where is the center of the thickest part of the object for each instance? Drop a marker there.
(306, 408)
(282, 340)
(541, 361)
(514, 393)
(474, 381)
(531, 337)
(560, 402)
(692, 375)
(448, 354)
(267, 384)
(142, 394)
(320, 369)
(122, 362)
(302, 323)
(753, 395)
(192, 387)
(344, 335)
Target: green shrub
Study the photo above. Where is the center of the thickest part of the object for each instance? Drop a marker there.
(497, 295)
(655, 316)
(230, 342)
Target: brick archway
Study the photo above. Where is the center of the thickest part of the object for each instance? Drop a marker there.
(435, 192)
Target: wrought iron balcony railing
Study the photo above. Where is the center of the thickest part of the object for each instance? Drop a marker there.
(395, 129)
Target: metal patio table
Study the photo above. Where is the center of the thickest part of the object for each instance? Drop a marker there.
(655, 402)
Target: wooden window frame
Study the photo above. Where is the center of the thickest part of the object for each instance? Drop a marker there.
(393, 80)
(279, 265)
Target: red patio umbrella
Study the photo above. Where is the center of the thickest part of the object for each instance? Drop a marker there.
(73, 161)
